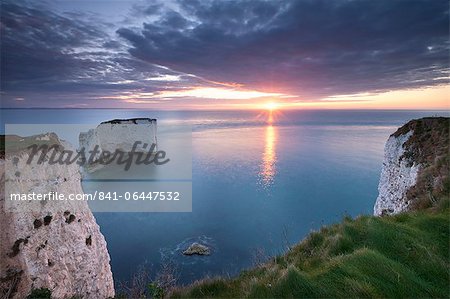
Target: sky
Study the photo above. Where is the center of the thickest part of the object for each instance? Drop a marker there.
(207, 54)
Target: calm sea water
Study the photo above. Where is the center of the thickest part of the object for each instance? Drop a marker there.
(259, 183)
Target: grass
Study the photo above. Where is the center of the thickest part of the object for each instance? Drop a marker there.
(406, 255)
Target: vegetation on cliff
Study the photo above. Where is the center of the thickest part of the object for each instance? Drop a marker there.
(429, 147)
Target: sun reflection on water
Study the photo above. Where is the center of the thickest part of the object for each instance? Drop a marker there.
(269, 157)
(270, 118)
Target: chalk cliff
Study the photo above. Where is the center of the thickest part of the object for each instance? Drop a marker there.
(54, 245)
(120, 134)
(415, 169)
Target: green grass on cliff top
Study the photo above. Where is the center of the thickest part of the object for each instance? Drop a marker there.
(398, 256)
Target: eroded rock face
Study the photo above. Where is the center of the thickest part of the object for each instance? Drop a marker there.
(398, 175)
(198, 249)
(49, 245)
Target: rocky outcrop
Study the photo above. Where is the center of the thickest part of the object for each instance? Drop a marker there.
(415, 167)
(46, 244)
(119, 134)
(397, 176)
(197, 249)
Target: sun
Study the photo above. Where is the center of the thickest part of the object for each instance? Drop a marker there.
(271, 106)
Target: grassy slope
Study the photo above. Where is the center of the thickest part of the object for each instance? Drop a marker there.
(401, 256)
(406, 255)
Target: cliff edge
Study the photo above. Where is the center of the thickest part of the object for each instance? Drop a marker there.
(415, 172)
(47, 244)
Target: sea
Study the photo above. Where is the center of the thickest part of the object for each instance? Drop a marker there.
(261, 181)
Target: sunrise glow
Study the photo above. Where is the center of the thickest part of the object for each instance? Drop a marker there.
(217, 93)
(271, 106)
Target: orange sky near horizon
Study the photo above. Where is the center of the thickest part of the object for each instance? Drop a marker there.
(432, 98)
(223, 98)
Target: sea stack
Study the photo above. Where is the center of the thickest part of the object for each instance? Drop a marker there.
(119, 134)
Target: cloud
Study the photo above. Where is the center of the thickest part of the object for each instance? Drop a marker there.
(54, 57)
(310, 48)
(35, 44)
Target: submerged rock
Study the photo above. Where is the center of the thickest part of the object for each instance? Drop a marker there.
(198, 249)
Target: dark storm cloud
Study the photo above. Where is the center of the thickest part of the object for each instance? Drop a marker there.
(35, 44)
(311, 48)
(49, 55)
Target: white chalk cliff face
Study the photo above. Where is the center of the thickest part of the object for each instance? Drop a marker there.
(45, 244)
(398, 175)
(120, 134)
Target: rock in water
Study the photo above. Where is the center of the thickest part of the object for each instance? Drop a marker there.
(45, 244)
(198, 249)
